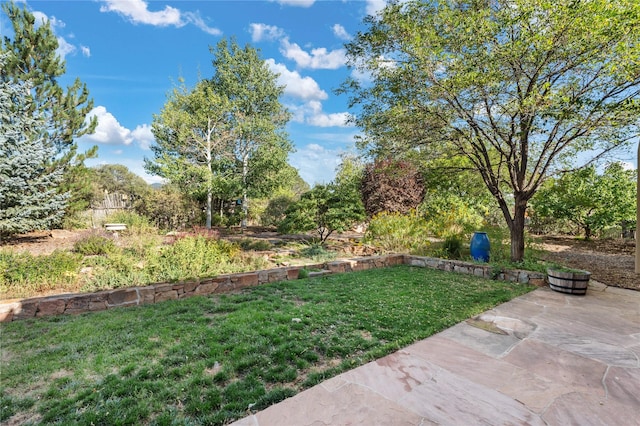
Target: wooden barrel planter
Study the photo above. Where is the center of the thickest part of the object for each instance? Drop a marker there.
(570, 282)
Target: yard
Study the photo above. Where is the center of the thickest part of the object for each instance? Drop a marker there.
(213, 360)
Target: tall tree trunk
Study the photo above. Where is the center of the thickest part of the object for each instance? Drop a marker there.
(516, 230)
(515, 224)
(638, 214)
(245, 172)
(209, 190)
(209, 207)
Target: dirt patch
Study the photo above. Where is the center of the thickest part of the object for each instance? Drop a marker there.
(45, 242)
(611, 261)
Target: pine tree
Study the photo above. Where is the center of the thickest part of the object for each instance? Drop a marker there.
(31, 57)
(29, 199)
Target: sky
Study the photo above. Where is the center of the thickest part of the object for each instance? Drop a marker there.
(131, 53)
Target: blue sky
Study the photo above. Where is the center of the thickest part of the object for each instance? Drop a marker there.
(130, 53)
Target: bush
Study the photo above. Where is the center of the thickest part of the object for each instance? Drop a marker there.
(169, 209)
(274, 213)
(448, 214)
(398, 232)
(94, 245)
(452, 247)
(391, 186)
(247, 244)
(22, 274)
(317, 253)
(136, 223)
(192, 257)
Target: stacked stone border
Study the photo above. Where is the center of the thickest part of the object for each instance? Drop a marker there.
(77, 303)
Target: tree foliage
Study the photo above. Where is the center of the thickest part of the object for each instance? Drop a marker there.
(32, 57)
(517, 87)
(224, 138)
(256, 118)
(590, 200)
(391, 186)
(116, 178)
(28, 185)
(191, 143)
(326, 209)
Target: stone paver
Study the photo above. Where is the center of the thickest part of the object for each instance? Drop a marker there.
(544, 358)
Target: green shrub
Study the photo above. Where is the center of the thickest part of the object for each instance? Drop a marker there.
(23, 274)
(274, 212)
(303, 273)
(191, 257)
(396, 232)
(452, 247)
(94, 245)
(248, 244)
(447, 214)
(136, 224)
(317, 253)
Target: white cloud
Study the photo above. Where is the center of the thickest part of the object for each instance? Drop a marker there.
(315, 163)
(316, 117)
(311, 113)
(110, 132)
(374, 6)
(137, 12)
(85, 51)
(298, 3)
(42, 18)
(64, 48)
(142, 134)
(319, 58)
(338, 119)
(197, 20)
(295, 85)
(260, 32)
(340, 32)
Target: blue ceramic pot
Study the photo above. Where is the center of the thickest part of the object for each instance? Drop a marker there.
(480, 247)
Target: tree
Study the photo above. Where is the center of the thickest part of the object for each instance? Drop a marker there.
(32, 57)
(589, 200)
(326, 209)
(192, 143)
(256, 117)
(118, 178)
(391, 186)
(28, 196)
(225, 136)
(517, 87)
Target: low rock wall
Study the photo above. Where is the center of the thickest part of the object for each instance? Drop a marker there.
(134, 296)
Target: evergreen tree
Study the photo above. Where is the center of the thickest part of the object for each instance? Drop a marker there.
(32, 57)
(29, 199)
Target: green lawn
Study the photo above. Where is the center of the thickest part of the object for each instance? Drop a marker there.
(212, 360)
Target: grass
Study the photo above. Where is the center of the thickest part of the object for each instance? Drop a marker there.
(213, 360)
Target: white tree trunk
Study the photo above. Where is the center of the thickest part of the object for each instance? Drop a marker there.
(245, 172)
(638, 214)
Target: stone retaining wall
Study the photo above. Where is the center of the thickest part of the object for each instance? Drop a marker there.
(133, 296)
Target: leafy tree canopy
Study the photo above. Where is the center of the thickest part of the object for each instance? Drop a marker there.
(517, 87)
(224, 137)
(391, 186)
(326, 209)
(590, 200)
